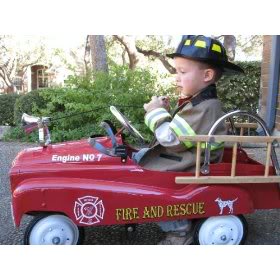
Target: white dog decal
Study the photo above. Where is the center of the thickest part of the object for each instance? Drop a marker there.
(225, 203)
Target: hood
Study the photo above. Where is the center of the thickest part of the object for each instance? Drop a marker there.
(73, 152)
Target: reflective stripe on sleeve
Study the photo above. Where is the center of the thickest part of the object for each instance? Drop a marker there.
(154, 116)
(182, 128)
(213, 146)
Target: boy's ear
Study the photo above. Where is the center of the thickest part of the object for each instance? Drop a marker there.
(209, 74)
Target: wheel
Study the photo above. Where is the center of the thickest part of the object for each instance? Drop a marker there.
(221, 230)
(53, 230)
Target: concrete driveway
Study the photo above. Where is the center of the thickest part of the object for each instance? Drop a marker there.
(264, 226)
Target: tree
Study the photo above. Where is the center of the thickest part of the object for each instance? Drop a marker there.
(152, 47)
(250, 45)
(87, 55)
(15, 58)
(98, 53)
(130, 48)
(8, 64)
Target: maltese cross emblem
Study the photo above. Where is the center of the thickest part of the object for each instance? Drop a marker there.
(89, 210)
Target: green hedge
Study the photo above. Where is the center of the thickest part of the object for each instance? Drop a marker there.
(7, 103)
(241, 91)
(126, 89)
(30, 103)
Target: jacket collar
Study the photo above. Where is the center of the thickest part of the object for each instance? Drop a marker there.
(210, 92)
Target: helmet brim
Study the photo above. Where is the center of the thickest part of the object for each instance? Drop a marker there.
(226, 66)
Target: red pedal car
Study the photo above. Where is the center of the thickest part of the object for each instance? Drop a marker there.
(95, 182)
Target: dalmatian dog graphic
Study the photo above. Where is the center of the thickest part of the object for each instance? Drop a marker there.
(225, 203)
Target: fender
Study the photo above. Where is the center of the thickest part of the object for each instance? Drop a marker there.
(62, 194)
(94, 202)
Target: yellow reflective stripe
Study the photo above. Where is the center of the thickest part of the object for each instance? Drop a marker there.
(200, 44)
(213, 146)
(154, 116)
(179, 132)
(182, 128)
(188, 42)
(216, 48)
(184, 125)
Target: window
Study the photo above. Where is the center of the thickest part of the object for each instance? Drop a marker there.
(42, 78)
(18, 83)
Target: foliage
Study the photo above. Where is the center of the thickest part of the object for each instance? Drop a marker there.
(7, 103)
(16, 54)
(78, 109)
(250, 46)
(117, 53)
(241, 91)
(30, 103)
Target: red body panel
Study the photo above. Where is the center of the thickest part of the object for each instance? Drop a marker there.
(95, 189)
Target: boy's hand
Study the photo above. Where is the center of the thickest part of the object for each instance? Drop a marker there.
(157, 102)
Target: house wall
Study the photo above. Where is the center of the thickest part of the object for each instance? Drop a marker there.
(267, 44)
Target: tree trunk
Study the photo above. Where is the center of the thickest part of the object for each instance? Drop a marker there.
(129, 43)
(7, 79)
(98, 53)
(87, 55)
(230, 46)
(11, 89)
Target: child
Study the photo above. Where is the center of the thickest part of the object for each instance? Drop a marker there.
(200, 62)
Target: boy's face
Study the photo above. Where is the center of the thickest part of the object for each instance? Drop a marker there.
(191, 76)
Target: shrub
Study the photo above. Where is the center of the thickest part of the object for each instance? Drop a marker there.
(30, 103)
(7, 103)
(78, 109)
(241, 91)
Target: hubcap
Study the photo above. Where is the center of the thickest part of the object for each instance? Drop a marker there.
(56, 240)
(224, 230)
(54, 230)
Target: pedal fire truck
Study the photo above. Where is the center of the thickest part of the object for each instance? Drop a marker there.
(95, 182)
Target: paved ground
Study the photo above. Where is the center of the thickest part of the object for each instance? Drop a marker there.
(264, 226)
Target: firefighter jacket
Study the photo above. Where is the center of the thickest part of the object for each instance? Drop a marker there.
(194, 117)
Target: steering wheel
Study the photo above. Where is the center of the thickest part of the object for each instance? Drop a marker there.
(125, 122)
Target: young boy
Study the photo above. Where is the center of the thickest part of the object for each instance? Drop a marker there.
(200, 62)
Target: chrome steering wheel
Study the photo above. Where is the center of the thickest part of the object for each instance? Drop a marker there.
(126, 123)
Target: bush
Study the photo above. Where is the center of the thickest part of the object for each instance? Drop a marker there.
(241, 91)
(78, 109)
(7, 103)
(29, 103)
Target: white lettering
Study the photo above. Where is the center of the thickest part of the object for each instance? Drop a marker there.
(65, 159)
(69, 158)
(54, 158)
(88, 157)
